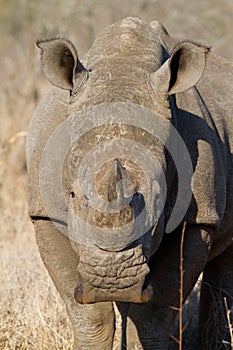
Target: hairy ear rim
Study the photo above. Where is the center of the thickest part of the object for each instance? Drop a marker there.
(193, 43)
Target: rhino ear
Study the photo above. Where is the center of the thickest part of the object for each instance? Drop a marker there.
(59, 60)
(182, 70)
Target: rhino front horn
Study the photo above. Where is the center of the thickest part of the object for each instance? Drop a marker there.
(115, 185)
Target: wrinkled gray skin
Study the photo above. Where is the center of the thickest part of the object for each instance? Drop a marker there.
(182, 82)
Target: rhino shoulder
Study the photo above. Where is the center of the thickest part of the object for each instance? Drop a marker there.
(216, 84)
(51, 112)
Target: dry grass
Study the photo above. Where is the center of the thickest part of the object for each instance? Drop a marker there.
(229, 324)
(32, 314)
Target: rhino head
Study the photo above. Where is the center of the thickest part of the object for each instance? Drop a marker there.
(117, 195)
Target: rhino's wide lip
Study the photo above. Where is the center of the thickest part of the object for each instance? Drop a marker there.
(113, 276)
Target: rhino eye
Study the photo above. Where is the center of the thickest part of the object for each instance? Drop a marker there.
(72, 194)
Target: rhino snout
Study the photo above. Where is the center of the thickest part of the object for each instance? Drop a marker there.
(113, 276)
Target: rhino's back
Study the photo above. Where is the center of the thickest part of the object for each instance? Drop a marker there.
(217, 90)
(51, 112)
(207, 127)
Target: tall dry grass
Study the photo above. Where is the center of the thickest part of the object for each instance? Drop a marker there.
(32, 314)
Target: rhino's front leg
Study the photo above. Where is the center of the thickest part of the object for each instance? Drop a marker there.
(93, 325)
(150, 323)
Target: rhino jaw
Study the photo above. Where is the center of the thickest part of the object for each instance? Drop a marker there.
(113, 276)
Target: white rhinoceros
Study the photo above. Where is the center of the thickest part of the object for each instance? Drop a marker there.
(126, 147)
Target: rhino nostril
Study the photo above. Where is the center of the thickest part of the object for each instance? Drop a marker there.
(147, 291)
(146, 283)
(78, 294)
(72, 194)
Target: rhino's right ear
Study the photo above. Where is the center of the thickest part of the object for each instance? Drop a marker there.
(59, 61)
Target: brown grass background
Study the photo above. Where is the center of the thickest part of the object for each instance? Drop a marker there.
(32, 315)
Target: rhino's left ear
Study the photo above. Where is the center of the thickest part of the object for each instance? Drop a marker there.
(182, 70)
(59, 61)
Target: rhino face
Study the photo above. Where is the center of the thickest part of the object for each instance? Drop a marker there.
(117, 192)
(113, 256)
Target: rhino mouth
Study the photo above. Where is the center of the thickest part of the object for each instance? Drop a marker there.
(113, 276)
